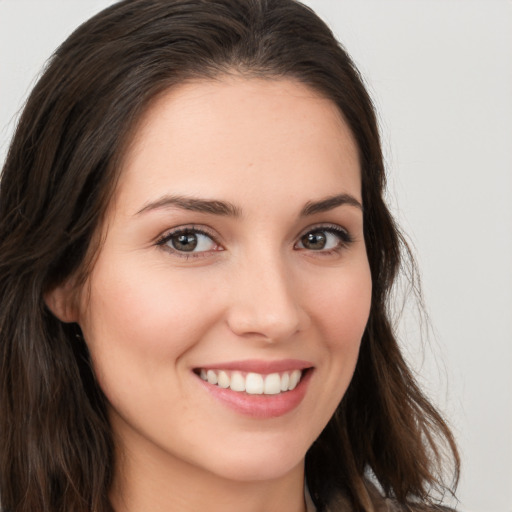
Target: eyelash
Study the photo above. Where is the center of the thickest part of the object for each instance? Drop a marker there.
(189, 230)
(345, 239)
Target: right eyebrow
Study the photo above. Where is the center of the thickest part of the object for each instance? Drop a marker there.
(211, 206)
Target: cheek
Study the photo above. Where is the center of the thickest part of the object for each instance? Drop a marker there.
(341, 313)
(138, 326)
(341, 308)
(143, 311)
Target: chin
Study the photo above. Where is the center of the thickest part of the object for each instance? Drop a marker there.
(256, 471)
(264, 462)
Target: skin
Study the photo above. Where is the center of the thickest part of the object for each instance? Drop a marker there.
(151, 315)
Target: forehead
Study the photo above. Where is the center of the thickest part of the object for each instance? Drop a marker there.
(227, 135)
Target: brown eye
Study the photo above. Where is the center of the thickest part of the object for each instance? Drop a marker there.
(189, 241)
(325, 239)
(183, 242)
(315, 240)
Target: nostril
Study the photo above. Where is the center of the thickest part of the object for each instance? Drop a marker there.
(272, 326)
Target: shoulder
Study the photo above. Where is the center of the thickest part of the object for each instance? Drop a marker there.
(383, 504)
(339, 502)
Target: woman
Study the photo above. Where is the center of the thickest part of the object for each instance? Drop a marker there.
(195, 264)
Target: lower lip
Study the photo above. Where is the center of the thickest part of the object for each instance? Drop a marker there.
(261, 406)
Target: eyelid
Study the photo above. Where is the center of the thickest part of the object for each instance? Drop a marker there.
(162, 240)
(328, 226)
(343, 233)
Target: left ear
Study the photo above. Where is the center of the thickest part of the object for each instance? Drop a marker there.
(61, 301)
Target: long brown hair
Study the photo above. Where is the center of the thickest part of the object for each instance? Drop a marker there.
(56, 445)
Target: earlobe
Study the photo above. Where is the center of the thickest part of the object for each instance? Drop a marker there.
(61, 301)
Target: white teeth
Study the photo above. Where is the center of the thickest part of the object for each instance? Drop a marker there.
(253, 383)
(294, 379)
(285, 380)
(272, 384)
(211, 377)
(237, 382)
(223, 380)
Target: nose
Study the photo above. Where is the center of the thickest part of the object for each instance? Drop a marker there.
(265, 302)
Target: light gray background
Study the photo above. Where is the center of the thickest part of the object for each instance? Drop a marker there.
(440, 72)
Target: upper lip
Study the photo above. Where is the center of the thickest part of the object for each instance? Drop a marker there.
(260, 366)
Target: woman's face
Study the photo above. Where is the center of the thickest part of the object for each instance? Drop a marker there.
(233, 264)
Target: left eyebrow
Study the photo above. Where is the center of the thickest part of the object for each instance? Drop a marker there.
(329, 203)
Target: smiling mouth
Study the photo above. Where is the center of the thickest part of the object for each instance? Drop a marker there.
(253, 383)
